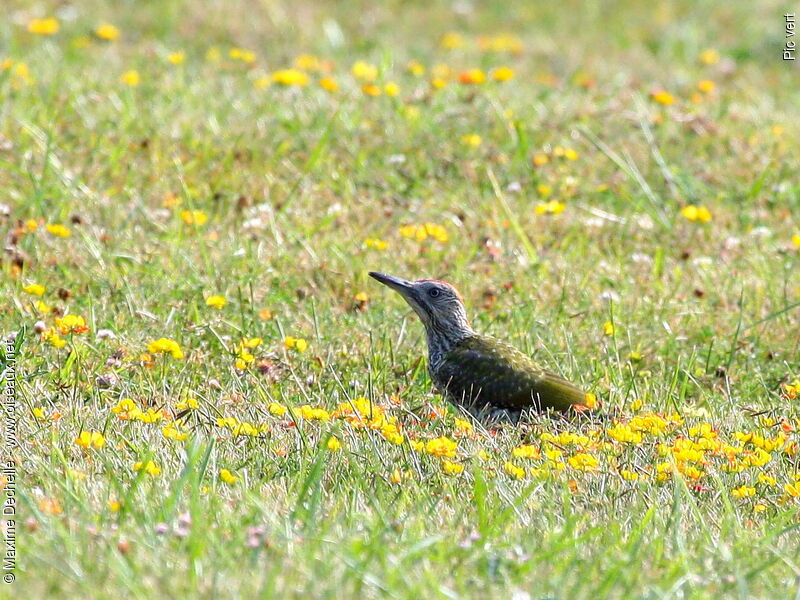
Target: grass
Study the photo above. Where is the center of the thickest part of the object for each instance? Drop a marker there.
(684, 330)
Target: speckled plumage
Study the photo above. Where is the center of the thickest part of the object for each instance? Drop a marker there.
(478, 373)
(482, 373)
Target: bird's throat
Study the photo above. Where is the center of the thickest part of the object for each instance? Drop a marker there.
(442, 339)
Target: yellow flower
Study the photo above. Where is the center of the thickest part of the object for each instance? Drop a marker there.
(422, 232)
(743, 492)
(471, 139)
(451, 40)
(793, 489)
(624, 433)
(106, 31)
(176, 58)
(502, 74)
(47, 26)
(71, 324)
(472, 76)
(570, 154)
(709, 56)
(590, 400)
(244, 359)
(90, 439)
(252, 342)
(500, 43)
(584, 462)
(463, 426)
(307, 62)
(39, 414)
(290, 77)
(34, 289)
(228, 477)
(150, 416)
(364, 71)
(416, 68)
(796, 239)
(328, 84)
(131, 78)
(31, 225)
(276, 409)
(165, 346)
(441, 446)
(370, 89)
(246, 56)
(540, 159)
(662, 97)
(309, 413)
(396, 476)
(50, 506)
(379, 244)
(114, 505)
(526, 451)
(696, 213)
(150, 468)
(391, 89)
(216, 301)
(765, 479)
(187, 404)
(126, 409)
(194, 217)
(437, 232)
(171, 432)
(452, 468)
(58, 230)
(513, 470)
(629, 475)
(608, 328)
(553, 207)
(706, 86)
(298, 344)
(333, 444)
(52, 338)
(229, 422)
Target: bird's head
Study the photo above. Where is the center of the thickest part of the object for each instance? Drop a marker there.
(438, 304)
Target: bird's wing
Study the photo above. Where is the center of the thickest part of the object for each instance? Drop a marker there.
(500, 375)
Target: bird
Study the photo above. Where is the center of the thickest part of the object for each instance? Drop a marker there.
(483, 375)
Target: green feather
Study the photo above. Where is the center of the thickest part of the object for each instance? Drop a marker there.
(481, 370)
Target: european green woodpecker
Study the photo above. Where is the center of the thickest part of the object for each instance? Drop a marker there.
(484, 375)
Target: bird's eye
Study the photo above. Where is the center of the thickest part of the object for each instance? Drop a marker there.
(434, 292)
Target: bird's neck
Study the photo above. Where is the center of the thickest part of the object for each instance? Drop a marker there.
(442, 339)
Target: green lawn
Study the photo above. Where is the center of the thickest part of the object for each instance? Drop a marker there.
(214, 400)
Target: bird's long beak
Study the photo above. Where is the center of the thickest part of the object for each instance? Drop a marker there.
(402, 286)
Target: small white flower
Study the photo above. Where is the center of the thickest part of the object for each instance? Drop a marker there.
(609, 296)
